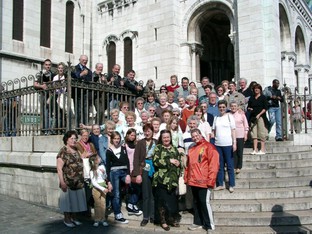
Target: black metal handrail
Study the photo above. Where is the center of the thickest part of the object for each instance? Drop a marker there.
(27, 111)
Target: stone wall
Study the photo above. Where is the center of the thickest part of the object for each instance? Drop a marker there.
(28, 168)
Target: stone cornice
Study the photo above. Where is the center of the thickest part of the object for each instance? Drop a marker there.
(110, 5)
(301, 67)
(302, 8)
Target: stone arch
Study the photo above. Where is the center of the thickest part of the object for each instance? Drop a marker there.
(285, 32)
(133, 35)
(210, 35)
(300, 47)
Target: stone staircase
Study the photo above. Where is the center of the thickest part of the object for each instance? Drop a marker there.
(273, 194)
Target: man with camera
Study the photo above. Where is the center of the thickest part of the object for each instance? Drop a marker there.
(81, 74)
(132, 85)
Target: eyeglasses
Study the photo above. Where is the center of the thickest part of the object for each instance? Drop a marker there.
(140, 103)
(176, 114)
(152, 110)
(125, 107)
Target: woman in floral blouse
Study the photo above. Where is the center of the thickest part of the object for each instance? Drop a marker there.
(70, 174)
(167, 163)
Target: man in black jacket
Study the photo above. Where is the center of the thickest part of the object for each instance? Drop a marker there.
(274, 97)
(81, 74)
(133, 85)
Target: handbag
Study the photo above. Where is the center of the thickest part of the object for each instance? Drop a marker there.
(182, 185)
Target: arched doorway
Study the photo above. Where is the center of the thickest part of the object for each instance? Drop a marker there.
(210, 32)
(217, 60)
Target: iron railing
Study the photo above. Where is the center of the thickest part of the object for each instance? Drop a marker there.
(305, 101)
(26, 111)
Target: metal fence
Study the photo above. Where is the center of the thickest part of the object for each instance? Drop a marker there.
(63, 105)
(290, 124)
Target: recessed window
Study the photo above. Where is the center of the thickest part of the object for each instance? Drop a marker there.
(45, 23)
(18, 19)
(69, 25)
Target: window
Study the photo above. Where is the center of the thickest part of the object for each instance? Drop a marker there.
(69, 25)
(127, 55)
(111, 55)
(18, 19)
(45, 23)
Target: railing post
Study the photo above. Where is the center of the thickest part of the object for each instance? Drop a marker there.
(305, 109)
(69, 95)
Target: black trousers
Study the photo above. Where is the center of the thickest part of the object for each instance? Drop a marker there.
(202, 208)
(238, 154)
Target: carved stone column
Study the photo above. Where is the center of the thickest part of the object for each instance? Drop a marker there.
(288, 61)
(303, 76)
(196, 53)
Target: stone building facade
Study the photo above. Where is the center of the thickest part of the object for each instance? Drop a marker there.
(222, 39)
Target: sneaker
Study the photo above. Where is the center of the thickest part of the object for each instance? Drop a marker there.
(105, 224)
(121, 220)
(96, 224)
(260, 152)
(231, 189)
(279, 139)
(133, 210)
(194, 227)
(219, 188)
(253, 152)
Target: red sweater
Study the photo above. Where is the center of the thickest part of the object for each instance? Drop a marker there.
(203, 165)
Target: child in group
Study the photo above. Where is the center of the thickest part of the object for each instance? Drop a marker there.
(100, 188)
(118, 169)
(176, 133)
(134, 188)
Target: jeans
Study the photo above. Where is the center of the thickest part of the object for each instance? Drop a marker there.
(226, 156)
(116, 176)
(134, 192)
(275, 116)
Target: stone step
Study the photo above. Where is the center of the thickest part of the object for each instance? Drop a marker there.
(291, 218)
(299, 163)
(278, 156)
(150, 228)
(234, 206)
(273, 182)
(273, 173)
(282, 148)
(269, 193)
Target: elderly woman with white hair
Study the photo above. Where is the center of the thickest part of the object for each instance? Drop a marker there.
(163, 105)
(188, 111)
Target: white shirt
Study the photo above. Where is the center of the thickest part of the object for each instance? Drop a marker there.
(223, 126)
(100, 178)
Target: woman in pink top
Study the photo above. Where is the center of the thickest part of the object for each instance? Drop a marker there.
(134, 189)
(242, 129)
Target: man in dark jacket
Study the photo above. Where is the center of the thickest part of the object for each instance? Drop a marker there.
(274, 97)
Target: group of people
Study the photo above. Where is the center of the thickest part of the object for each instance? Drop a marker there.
(184, 131)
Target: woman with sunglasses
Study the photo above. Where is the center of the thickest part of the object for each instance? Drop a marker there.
(225, 142)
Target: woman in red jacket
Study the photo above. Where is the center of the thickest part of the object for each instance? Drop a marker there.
(201, 173)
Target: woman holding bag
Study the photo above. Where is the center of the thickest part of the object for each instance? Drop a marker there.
(143, 170)
(167, 163)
